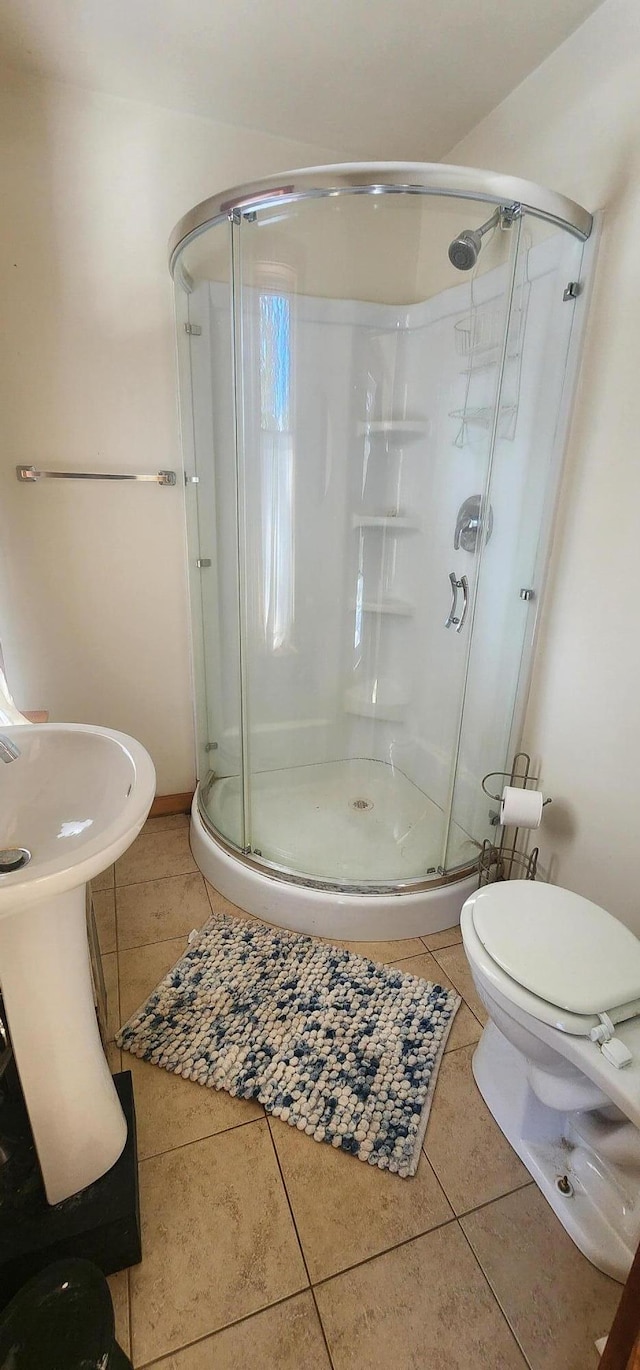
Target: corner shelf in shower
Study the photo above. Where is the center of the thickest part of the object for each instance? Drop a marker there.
(385, 702)
(397, 523)
(402, 607)
(396, 432)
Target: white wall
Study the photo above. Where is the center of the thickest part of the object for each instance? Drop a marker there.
(574, 124)
(93, 618)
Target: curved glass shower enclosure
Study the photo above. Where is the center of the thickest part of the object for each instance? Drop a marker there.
(372, 397)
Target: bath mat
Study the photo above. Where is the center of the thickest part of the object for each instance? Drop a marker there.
(341, 1048)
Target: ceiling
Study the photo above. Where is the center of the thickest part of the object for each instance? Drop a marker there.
(368, 78)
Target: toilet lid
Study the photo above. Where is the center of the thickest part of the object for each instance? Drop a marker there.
(558, 945)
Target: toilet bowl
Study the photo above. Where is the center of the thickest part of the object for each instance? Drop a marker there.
(558, 1064)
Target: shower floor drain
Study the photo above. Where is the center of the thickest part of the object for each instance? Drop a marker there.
(360, 804)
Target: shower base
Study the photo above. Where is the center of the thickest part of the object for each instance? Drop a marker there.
(352, 821)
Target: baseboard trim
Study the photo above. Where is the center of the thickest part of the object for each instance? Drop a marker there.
(166, 804)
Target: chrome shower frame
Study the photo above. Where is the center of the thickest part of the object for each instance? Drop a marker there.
(509, 193)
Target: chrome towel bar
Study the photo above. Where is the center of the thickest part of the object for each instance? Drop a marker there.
(29, 474)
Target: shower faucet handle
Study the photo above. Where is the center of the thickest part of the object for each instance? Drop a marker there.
(469, 524)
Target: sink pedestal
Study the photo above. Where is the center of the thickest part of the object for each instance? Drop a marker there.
(76, 1118)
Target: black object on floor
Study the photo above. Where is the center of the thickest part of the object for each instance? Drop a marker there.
(61, 1320)
(100, 1224)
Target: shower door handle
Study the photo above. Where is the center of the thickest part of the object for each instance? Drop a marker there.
(464, 586)
(452, 620)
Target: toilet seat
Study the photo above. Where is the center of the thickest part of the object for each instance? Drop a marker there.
(560, 958)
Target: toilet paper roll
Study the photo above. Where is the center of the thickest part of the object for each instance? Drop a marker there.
(520, 808)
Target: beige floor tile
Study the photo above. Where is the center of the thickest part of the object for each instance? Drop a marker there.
(424, 1306)
(165, 822)
(157, 910)
(171, 1111)
(104, 908)
(346, 1210)
(119, 1290)
(141, 969)
(384, 952)
(471, 1157)
(221, 905)
(287, 1337)
(104, 881)
(556, 1301)
(454, 964)
(450, 937)
(217, 1238)
(154, 855)
(466, 1028)
(110, 972)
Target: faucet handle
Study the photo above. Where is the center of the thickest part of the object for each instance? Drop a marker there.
(469, 524)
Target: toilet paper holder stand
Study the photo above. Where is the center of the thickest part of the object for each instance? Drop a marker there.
(506, 859)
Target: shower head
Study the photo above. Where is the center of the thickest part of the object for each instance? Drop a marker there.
(465, 249)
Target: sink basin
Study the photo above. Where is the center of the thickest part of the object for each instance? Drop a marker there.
(75, 799)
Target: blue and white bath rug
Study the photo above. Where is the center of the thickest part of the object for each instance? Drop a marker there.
(342, 1048)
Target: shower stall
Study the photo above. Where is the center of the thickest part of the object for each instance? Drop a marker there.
(375, 367)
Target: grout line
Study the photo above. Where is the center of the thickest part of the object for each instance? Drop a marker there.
(169, 1150)
(289, 1204)
(324, 1335)
(401, 960)
(163, 941)
(464, 1046)
(377, 1255)
(237, 1322)
(178, 937)
(494, 1294)
(299, 1239)
(488, 1202)
(149, 879)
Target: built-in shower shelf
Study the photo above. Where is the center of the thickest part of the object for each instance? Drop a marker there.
(402, 607)
(396, 432)
(380, 701)
(482, 417)
(397, 523)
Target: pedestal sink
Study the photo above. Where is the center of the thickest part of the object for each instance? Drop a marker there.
(74, 799)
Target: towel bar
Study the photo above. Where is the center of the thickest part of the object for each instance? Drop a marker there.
(29, 474)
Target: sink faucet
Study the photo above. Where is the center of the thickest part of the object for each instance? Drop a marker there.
(8, 749)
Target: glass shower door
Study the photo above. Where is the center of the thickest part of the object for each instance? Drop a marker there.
(364, 448)
(520, 496)
(205, 320)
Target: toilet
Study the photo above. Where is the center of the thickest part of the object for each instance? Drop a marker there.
(558, 1064)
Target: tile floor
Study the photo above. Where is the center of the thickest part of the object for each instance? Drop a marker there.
(262, 1247)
